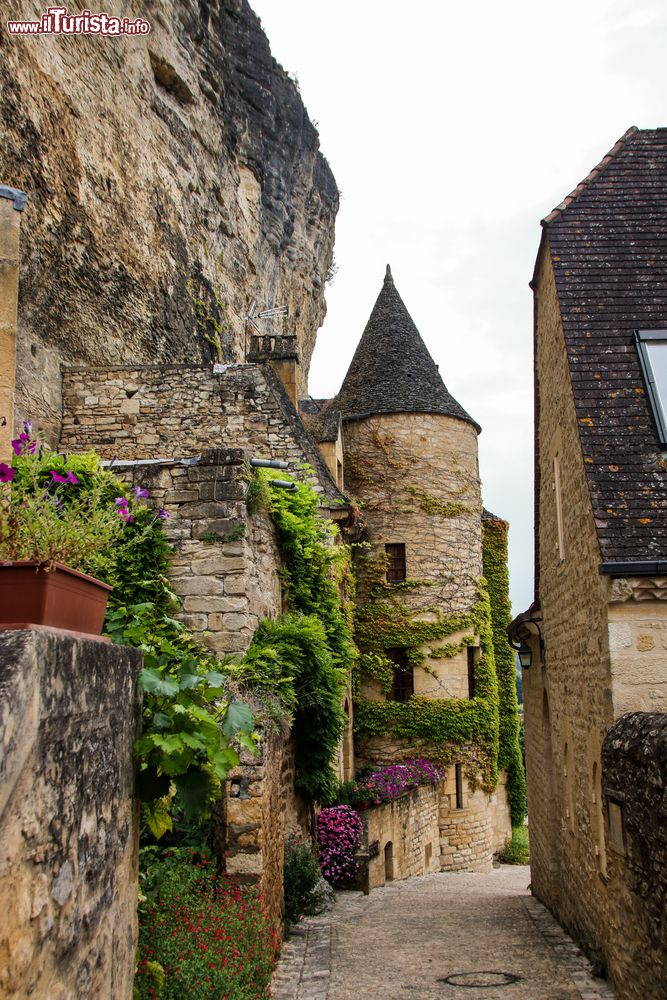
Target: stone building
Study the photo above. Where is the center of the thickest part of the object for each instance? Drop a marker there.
(598, 624)
(410, 460)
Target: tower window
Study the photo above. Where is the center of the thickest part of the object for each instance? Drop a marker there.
(395, 562)
(458, 773)
(473, 657)
(403, 684)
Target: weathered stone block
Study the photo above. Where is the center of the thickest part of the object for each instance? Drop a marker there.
(68, 822)
(199, 585)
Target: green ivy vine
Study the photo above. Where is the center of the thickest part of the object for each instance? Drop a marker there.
(494, 536)
(305, 657)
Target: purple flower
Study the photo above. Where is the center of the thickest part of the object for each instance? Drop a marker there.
(71, 478)
(7, 473)
(27, 427)
(57, 478)
(162, 513)
(120, 502)
(138, 492)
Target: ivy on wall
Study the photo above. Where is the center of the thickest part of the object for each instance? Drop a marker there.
(494, 537)
(446, 729)
(482, 732)
(305, 657)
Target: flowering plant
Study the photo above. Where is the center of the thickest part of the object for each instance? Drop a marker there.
(388, 783)
(339, 830)
(200, 934)
(55, 508)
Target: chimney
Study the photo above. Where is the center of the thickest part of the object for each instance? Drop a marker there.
(282, 354)
(12, 203)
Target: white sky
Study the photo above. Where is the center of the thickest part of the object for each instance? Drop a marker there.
(451, 132)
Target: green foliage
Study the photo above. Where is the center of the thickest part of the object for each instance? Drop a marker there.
(50, 521)
(290, 655)
(444, 729)
(208, 317)
(200, 936)
(304, 657)
(184, 750)
(509, 753)
(517, 850)
(230, 536)
(435, 506)
(305, 891)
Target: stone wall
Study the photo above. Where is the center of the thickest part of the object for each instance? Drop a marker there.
(472, 834)
(259, 810)
(400, 838)
(226, 565)
(568, 696)
(69, 712)
(603, 655)
(634, 781)
(637, 644)
(177, 411)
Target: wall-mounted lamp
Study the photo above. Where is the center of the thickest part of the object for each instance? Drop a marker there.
(518, 630)
(525, 655)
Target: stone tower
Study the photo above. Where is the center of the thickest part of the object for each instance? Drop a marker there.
(426, 684)
(411, 459)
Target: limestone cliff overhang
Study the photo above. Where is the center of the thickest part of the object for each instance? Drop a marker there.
(392, 370)
(607, 246)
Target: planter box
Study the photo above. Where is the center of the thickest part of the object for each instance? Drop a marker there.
(61, 598)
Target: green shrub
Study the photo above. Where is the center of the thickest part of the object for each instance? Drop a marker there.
(517, 849)
(210, 937)
(290, 655)
(306, 892)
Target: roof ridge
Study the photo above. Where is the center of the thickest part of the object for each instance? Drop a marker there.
(595, 172)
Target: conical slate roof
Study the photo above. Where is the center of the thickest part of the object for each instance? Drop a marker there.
(392, 371)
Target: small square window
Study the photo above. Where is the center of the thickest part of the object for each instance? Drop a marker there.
(652, 347)
(395, 562)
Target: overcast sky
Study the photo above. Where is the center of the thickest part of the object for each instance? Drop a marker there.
(451, 132)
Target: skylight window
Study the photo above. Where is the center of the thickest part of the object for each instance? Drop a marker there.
(652, 347)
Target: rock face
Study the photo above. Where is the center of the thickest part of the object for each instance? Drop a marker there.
(173, 179)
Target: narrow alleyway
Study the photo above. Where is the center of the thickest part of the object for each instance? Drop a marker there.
(445, 936)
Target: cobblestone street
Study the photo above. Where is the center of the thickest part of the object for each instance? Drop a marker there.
(450, 936)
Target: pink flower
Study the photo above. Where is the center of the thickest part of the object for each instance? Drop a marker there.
(23, 444)
(56, 478)
(7, 473)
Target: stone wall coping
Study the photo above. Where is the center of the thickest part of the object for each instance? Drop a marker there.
(403, 795)
(73, 369)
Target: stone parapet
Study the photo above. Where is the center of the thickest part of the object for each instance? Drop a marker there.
(400, 838)
(69, 824)
(171, 412)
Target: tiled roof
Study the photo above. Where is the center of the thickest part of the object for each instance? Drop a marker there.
(608, 244)
(392, 370)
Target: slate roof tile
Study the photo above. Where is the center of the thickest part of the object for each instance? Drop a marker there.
(392, 370)
(608, 246)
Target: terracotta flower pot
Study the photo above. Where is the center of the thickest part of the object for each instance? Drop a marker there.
(60, 598)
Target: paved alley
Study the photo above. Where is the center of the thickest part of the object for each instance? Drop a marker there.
(447, 936)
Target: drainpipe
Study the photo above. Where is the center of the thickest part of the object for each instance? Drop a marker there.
(12, 203)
